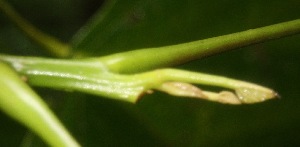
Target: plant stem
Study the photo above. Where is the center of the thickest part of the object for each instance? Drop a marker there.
(20, 102)
(51, 44)
(94, 78)
(150, 58)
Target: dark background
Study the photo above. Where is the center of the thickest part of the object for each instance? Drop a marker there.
(160, 119)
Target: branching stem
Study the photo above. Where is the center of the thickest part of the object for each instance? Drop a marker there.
(20, 102)
(94, 78)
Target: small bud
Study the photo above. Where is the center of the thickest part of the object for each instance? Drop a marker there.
(254, 95)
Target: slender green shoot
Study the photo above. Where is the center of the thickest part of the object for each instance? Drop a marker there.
(123, 76)
(29, 109)
(91, 76)
(151, 58)
(51, 44)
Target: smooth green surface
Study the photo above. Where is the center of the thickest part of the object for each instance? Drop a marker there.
(151, 58)
(94, 77)
(160, 119)
(22, 104)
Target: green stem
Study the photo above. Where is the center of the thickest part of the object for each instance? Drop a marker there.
(83, 75)
(51, 44)
(150, 58)
(94, 78)
(19, 101)
(246, 92)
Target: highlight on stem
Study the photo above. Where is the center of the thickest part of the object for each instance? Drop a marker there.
(94, 78)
